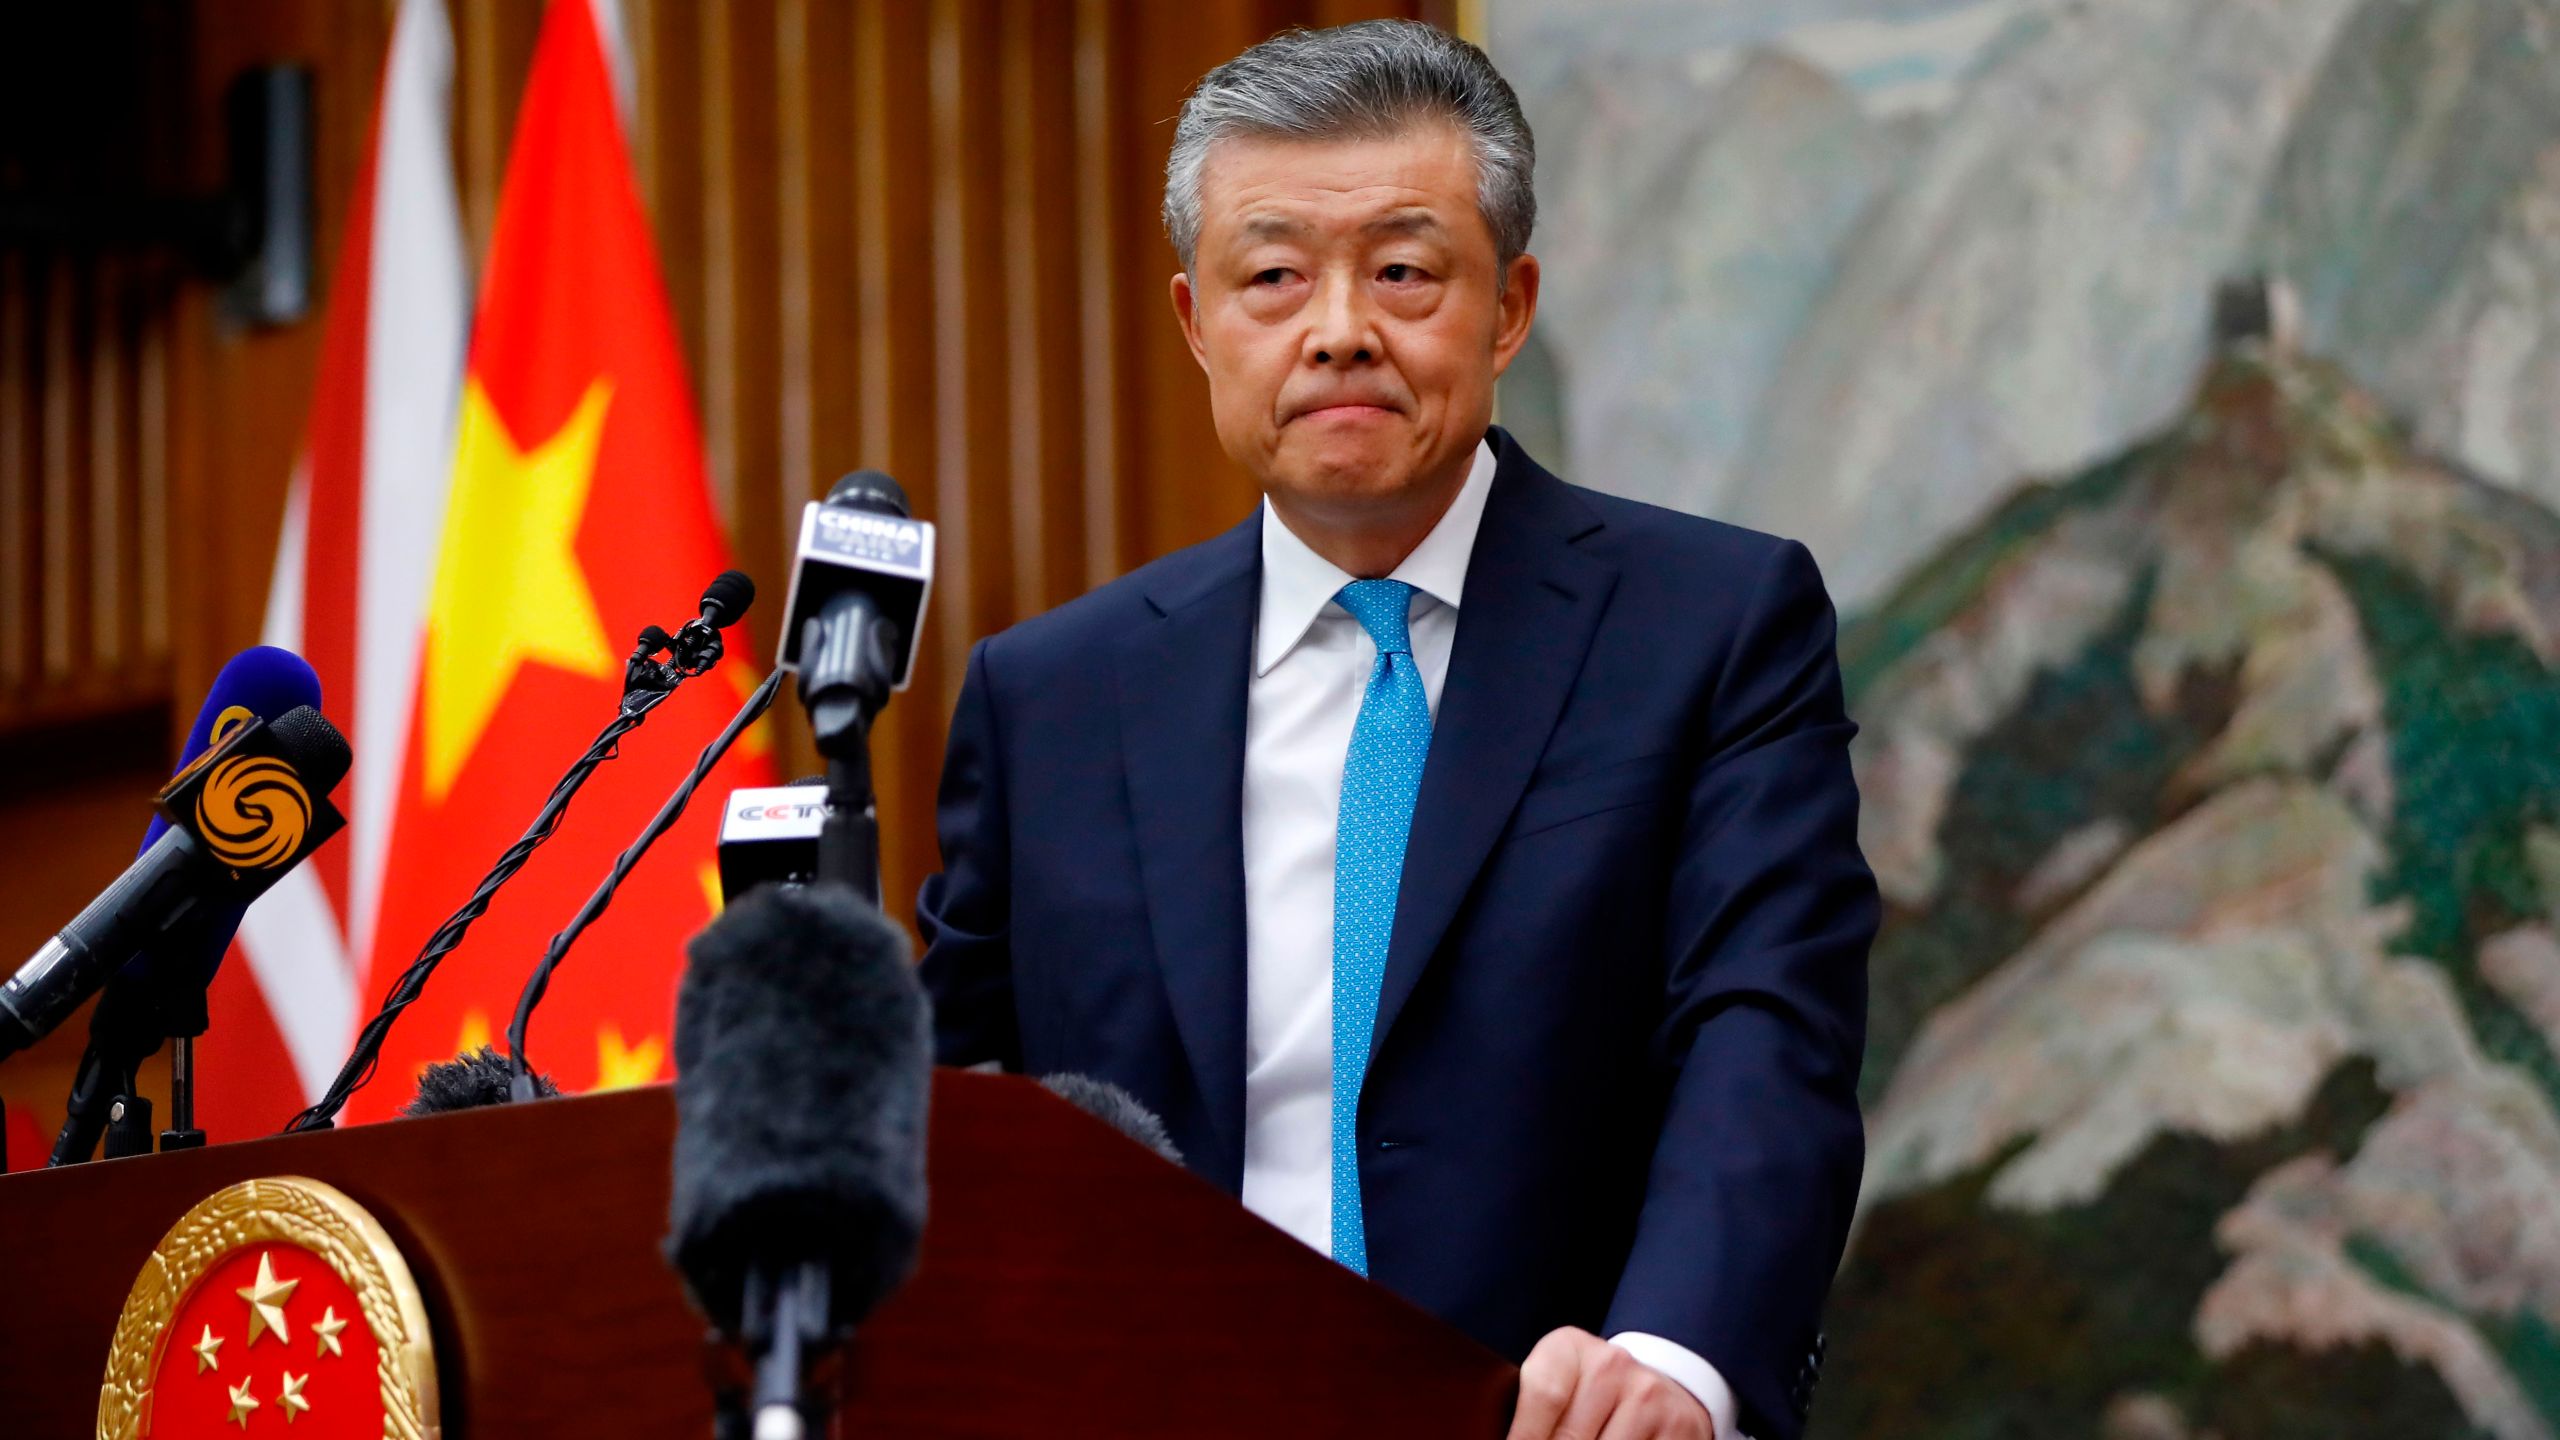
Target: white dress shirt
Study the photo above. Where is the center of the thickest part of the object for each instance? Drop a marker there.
(1311, 664)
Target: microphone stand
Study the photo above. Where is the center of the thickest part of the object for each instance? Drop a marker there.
(106, 1097)
(847, 657)
(520, 1082)
(849, 838)
(646, 685)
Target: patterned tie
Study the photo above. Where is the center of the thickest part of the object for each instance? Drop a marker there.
(1380, 778)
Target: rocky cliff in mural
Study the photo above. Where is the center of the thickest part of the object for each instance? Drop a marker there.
(2216, 794)
(1846, 279)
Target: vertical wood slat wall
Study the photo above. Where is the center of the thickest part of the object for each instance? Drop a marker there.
(84, 488)
(917, 235)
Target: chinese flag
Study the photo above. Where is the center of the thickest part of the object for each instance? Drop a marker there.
(579, 512)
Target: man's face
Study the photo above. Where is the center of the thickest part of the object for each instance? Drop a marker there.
(1344, 303)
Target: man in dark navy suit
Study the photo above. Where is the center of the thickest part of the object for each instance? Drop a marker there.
(1464, 864)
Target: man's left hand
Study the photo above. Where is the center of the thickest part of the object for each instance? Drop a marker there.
(1577, 1386)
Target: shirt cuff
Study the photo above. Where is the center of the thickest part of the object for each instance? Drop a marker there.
(1692, 1371)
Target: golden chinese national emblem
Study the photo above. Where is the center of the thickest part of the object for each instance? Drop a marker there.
(276, 1307)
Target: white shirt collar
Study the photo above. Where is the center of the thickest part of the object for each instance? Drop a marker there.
(1297, 583)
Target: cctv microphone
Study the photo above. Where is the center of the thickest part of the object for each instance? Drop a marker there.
(850, 631)
(251, 809)
(803, 1065)
(160, 993)
(769, 836)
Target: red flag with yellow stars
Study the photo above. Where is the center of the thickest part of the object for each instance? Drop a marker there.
(580, 512)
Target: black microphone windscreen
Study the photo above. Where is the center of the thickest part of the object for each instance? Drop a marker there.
(313, 747)
(869, 490)
(727, 597)
(803, 1062)
(468, 1081)
(1116, 1108)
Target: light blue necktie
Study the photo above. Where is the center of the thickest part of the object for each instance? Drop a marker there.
(1381, 777)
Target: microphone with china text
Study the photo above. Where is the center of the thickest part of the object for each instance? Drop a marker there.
(863, 573)
(803, 1063)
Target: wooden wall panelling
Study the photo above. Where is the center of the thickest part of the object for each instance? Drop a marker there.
(21, 576)
(919, 235)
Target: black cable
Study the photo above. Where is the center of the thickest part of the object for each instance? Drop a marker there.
(359, 1069)
(519, 1068)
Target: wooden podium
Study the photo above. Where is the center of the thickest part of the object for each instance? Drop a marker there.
(1071, 1284)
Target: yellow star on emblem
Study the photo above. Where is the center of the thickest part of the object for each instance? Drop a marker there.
(204, 1349)
(266, 1300)
(290, 1398)
(241, 1404)
(509, 588)
(620, 1066)
(327, 1329)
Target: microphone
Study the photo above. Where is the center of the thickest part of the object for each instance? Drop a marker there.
(260, 683)
(858, 589)
(248, 811)
(850, 630)
(726, 598)
(160, 993)
(803, 1064)
(769, 836)
(468, 1081)
(646, 684)
(1116, 1108)
(696, 647)
(740, 590)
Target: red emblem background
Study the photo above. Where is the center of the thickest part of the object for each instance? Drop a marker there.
(344, 1391)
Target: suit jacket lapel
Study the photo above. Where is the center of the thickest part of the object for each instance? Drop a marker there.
(1531, 602)
(1182, 722)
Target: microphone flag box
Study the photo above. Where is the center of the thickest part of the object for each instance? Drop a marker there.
(252, 812)
(845, 547)
(769, 836)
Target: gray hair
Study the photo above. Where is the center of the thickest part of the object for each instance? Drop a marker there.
(1364, 80)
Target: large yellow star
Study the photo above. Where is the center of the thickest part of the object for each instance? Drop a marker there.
(620, 1066)
(266, 1301)
(509, 589)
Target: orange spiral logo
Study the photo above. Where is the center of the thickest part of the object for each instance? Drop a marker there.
(253, 812)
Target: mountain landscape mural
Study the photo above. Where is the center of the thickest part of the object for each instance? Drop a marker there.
(2204, 632)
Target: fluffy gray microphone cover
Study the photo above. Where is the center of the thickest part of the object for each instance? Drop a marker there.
(1115, 1107)
(469, 1081)
(804, 1056)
